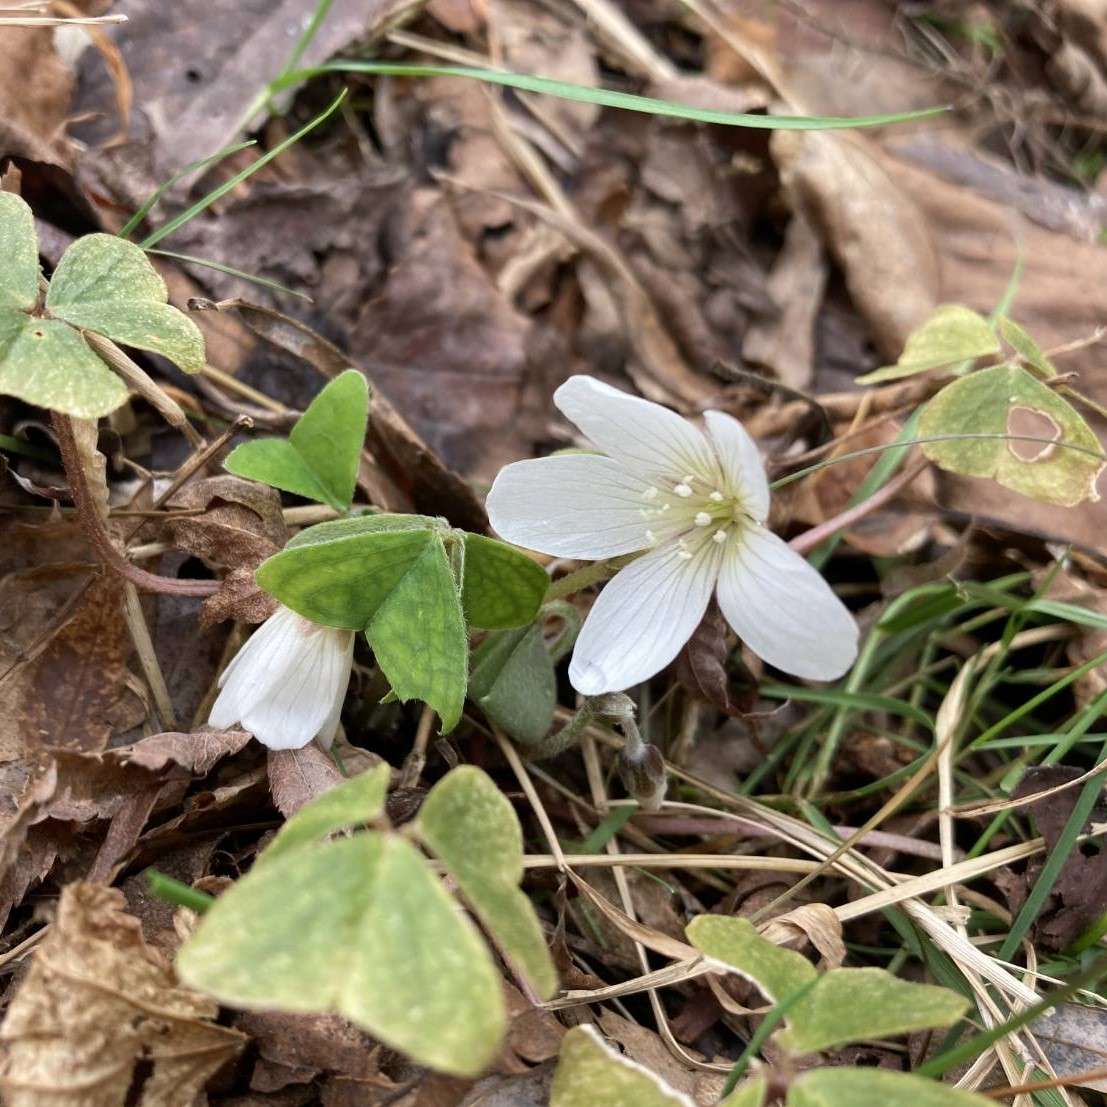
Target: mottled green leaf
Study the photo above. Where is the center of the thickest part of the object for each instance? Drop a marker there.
(418, 635)
(48, 363)
(513, 681)
(359, 926)
(1007, 400)
(591, 1074)
(340, 573)
(1025, 346)
(953, 333)
(850, 1005)
(351, 803)
(107, 285)
(469, 823)
(735, 943)
(319, 459)
(749, 1094)
(501, 587)
(873, 1087)
(19, 249)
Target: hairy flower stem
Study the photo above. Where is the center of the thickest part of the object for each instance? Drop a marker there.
(585, 577)
(98, 536)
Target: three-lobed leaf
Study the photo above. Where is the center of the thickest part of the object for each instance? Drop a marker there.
(591, 1074)
(319, 459)
(953, 334)
(362, 927)
(353, 802)
(101, 284)
(839, 1006)
(1007, 400)
(107, 285)
(395, 577)
(472, 828)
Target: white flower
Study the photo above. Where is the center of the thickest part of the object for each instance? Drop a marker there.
(287, 683)
(697, 504)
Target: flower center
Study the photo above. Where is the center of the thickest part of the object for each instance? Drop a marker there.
(692, 511)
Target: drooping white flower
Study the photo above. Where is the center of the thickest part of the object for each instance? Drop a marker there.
(697, 505)
(287, 683)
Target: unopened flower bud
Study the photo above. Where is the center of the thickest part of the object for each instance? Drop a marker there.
(642, 771)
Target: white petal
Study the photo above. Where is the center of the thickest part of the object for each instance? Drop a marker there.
(743, 470)
(261, 663)
(329, 729)
(645, 437)
(574, 505)
(783, 609)
(642, 618)
(300, 706)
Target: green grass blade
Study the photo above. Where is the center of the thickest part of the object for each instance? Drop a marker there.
(201, 205)
(232, 272)
(160, 191)
(607, 98)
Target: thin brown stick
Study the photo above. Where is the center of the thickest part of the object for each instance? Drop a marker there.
(811, 538)
(100, 539)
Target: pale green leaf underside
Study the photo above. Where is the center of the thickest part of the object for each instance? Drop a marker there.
(1006, 399)
(735, 943)
(107, 285)
(952, 334)
(362, 927)
(590, 1074)
(471, 826)
(47, 363)
(873, 1087)
(319, 459)
(351, 803)
(19, 249)
(514, 683)
(851, 1005)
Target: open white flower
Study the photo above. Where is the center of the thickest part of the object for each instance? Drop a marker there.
(287, 683)
(697, 505)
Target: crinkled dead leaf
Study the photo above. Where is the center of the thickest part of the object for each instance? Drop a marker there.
(591, 1074)
(362, 927)
(953, 334)
(1007, 400)
(99, 1019)
(319, 459)
(472, 827)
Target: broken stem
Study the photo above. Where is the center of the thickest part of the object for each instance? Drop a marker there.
(99, 538)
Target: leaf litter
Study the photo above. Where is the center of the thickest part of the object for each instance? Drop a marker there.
(466, 249)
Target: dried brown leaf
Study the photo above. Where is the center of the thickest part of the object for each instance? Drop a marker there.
(100, 1020)
(1079, 896)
